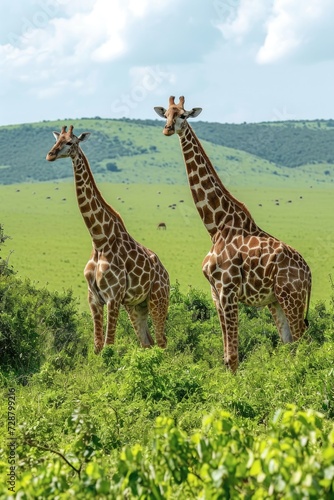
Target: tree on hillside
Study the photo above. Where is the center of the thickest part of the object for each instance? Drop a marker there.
(5, 269)
(112, 167)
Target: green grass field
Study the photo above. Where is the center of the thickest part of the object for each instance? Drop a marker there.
(51, 244)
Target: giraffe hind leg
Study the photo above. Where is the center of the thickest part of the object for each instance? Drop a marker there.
(227, 309)
(281, 322)
(138, 316)
(97, 315)
(158, 308)
(292, 309)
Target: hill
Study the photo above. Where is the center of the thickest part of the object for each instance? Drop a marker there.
(289, 144)
(125, 150)
(286, 143)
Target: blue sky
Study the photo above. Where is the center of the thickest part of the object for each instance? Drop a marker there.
(240, 60)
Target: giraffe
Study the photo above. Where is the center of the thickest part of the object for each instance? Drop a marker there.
(120, 270)
(245, 263)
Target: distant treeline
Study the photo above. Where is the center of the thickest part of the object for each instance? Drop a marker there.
(291, 144)
(287, 143)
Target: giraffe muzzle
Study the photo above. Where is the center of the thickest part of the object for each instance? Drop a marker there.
(168, 130)
(51, 156)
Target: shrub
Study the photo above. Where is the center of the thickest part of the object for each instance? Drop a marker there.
(199, 304)
(222, 461)
(35, 323)
(5, 268)
(112, 167)
(321, 322)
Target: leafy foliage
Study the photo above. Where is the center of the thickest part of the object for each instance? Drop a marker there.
(5, 268)
(222, 461)
(35, 324)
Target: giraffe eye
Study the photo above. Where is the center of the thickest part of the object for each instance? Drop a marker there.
(182, 116)
(68, 143)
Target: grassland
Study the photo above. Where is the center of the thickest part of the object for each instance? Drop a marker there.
(51, 244)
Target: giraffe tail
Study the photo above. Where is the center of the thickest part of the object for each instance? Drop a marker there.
(307, 308)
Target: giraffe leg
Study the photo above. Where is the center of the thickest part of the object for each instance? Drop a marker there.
(289, 310)
(138, 315)
(227, 308)
(113, 307)
(158, 308)
(97, 314)
(281, 322)
(221, 319)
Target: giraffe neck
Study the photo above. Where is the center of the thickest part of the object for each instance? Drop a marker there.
(102, 221)
(218, 209)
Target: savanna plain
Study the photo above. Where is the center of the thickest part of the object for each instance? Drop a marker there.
(154, 424)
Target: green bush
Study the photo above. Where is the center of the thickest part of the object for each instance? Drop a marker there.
(219, 461)
(222, 461)
(35, 324)
(321, 322)
(5, 268)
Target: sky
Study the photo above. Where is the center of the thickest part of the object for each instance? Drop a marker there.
(240, 60)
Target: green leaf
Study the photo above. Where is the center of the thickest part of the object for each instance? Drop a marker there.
(103, 486)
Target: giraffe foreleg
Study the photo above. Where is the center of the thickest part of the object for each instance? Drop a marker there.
(138, 315)
(96, 309)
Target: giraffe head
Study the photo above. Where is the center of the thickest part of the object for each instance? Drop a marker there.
(176, 116)
(67, 144)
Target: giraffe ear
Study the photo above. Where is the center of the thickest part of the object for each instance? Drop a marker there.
(193, 112)
(84, 136)
(160, 111)
(56, 135)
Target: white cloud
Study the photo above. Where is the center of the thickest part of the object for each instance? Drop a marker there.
(243, 19)
(74, 31)
(278, 30)
(65, 41)
(297, 29)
